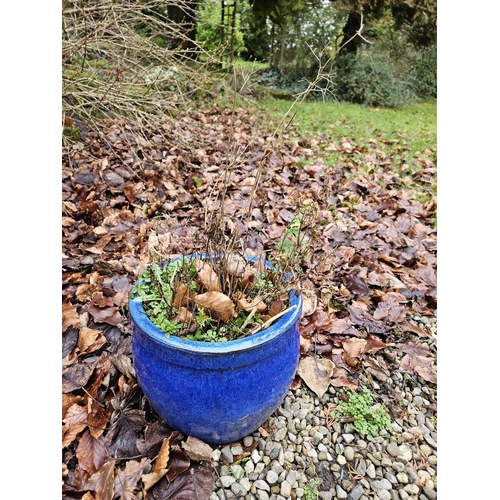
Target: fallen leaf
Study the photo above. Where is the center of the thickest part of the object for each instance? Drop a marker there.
(102, 311)
(87, 337)
(235, 264)
(316, 373)
(75, 422)
(421, 365)
(126, 480)
(178, 462)
(103, 481)
(194, 484)
(207, 276)
(185, 316)
(340, 379)
(182, 295)
(97, 418)
(196, 449)
(91, 452)
(163, 456)
(217, 305)
(309, 302)
(353, 348)
(357, 285)
(248, 305)
(70, 316)
(76, 376)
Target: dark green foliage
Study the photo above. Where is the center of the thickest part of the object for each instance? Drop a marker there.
(372, 81)
(390, 75)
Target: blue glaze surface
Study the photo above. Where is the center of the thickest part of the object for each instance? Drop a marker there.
(220, 391)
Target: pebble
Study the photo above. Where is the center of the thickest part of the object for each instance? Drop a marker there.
(305, 446)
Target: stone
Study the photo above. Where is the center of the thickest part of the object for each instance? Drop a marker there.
(286, 488)
(405, 453)
(348, 438)
(262, 495)
(271, 477)
(236, 450)
(325, 495)
(227, 481)
(226, 452)
(383, 495)
(355, 493)
(238, 489)
(429, 493)
(402, 478)
(256, 456)
(261, 485)
(349, 453)
(393, 449)
(280, 434)
(370, 471)
(341, 494)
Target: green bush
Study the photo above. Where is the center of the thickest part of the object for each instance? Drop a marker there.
(372, 81)
(390, 73)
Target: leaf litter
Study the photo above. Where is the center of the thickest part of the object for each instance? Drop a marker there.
(127, 189)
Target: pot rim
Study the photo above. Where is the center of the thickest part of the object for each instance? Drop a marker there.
(140, 318)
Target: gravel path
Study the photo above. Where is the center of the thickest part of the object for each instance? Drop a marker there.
(302, 452)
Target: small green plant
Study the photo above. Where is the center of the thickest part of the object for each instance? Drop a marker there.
(369, 419)
(310, 490)
(237, 473)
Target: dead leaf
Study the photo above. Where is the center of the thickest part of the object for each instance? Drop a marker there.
(309, 302)
(75, 422)
(87, 337)
(207, 276)
(196, 449)
(70, 316)
(178, 462)
(76, 376)
(357, 285)
(316, 373)
(377, 368)
(194, 484)
(163, 456)
(103, 481)
(217, 305)
(421, 365)
(103, 311)
(340, 379)
(235, 264)
(353, 348)
(91, 452)
(249, 305)
(182, 295)
(97, 418)
(149, 480)
(126, 480)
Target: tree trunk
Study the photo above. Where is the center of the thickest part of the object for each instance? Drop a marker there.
(233, 32)
(222, 21)
(283, 32)
(349, 30)
(184, 16)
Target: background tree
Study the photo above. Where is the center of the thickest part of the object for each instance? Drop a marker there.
(183, 15)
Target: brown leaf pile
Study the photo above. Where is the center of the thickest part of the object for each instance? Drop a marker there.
(373, 267)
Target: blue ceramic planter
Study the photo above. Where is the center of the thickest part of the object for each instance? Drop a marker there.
(219, 392)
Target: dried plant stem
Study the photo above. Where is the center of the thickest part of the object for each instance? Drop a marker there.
(270, 321)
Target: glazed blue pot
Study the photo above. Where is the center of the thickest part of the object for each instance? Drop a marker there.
(219, 392)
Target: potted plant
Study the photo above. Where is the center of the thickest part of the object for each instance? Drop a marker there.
(215, 335)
